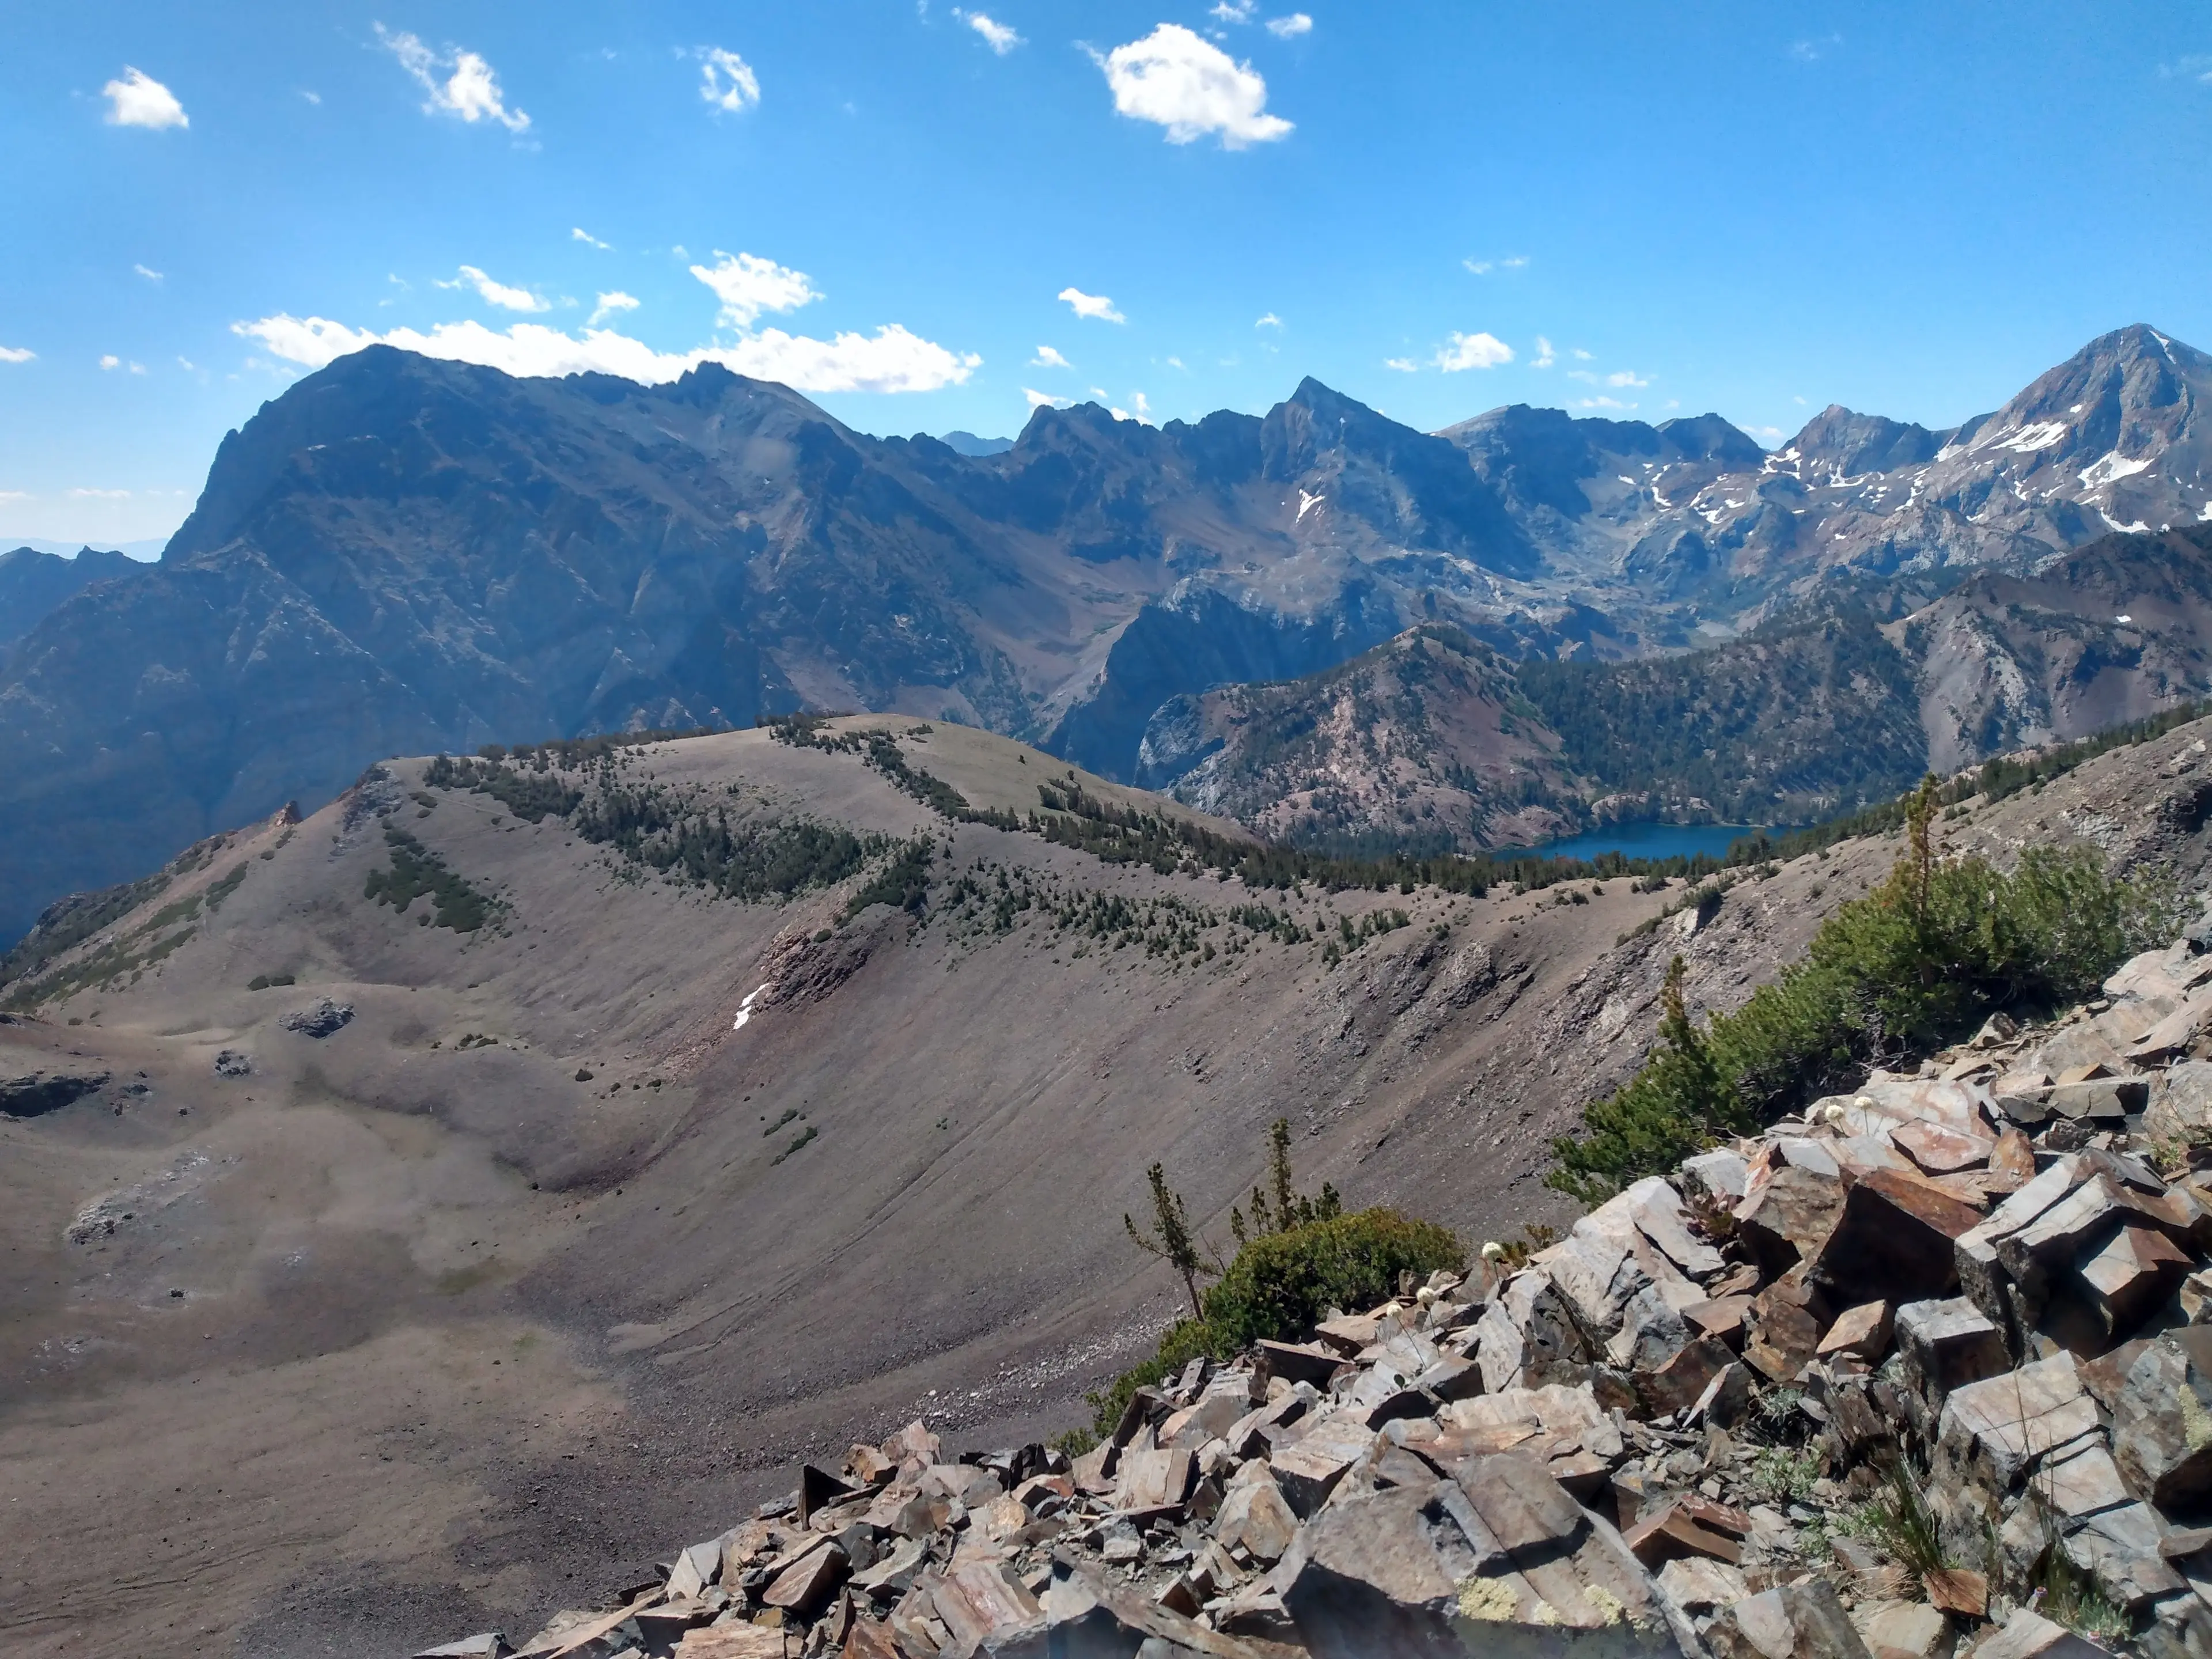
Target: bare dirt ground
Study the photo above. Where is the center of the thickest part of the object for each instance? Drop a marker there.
(393, 1339)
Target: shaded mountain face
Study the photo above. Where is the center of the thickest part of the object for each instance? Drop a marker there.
(967, 443)
(1424, 741)
(403, 555)
(407, 555)
(33, 583)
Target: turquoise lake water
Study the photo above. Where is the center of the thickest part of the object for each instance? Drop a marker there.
(1649, 840)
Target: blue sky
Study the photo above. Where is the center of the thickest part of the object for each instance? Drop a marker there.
(1753, 208)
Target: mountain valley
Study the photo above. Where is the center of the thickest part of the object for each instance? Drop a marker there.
(400, 555)
(424, 1200)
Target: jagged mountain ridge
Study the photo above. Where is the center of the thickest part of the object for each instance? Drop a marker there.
(403, 555)
(33, 583)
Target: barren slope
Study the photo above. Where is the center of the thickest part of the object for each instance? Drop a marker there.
(458, 1325)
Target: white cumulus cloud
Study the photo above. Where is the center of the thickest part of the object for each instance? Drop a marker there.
(1000, 39)
(458, 83)
(1192, 87)
(1284, 28)
(1092, 305)
(609, 303)
(1473, 351)
(1234, 11)
(16, 354)
(1403, 365)
(1048, 358)
(1045, 399)
(747, 285)
(1624, 377)
(1545, 356)
(726, 81)
(890, 360)
(111, 361)
(498, 293)
(139, 101)
(580, 234)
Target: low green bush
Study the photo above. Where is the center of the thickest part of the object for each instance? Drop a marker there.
(1920, 962)
(1281, 1283)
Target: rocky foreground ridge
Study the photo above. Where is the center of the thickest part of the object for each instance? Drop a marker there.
(1900, 1378)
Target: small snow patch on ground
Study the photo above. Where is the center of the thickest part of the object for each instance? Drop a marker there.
(746, 1008)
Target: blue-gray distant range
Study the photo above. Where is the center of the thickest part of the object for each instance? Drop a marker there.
(1329, 625)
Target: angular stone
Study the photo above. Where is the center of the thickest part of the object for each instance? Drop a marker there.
(1789, 1218)
(1940, 1151)
(1308, 1470)
(1349, 1333)
(1947, 1345)
(1680, 1383)
(1158, 1479)
(1526, 1337)
(695, 1568)
(1719, 1177)
(2029, 1635)
(805, 1585)
(1671, 1532)
(2180, 1105)
(1792, 1621)
(1910, 1629)
(1650, 1333)
(1894, 1240)
(489, 1646)
(1093, 1471)
(2120, 1547)
(758, 1642)
(1862, 1332)
(1725, 1399)
(1957, 1590)
(2162, 1420)
(1523, 1507)
(1451, 1378)
(1086, 1616)
(2106, 1100)
(1255, 1515)
(1300, 1362)
(1721, 1317)
(1700, 1586)
(2003, 1424)
(1660, 1217)
(984, 1605)
(2138, 1269)
(2014, 1157)
(2081, 1484)
(1783, 1332)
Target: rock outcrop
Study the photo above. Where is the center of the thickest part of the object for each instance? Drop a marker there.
(1910, 1373)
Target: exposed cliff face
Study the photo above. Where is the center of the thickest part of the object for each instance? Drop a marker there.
(32, 584)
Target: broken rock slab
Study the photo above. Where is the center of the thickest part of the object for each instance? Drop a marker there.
(1791, 1622)
(1947, 1345)
(2162, 1420)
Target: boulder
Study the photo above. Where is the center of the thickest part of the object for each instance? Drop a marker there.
(2137, 1269)
(1789, 1218)
(2162, 1420)
(1525, 1338)
(1700, 1587)
(1501, 1561)
(1894, 1239)
(2028, 1635)
(1718, 1177)
(2180, 1104)
(1939, 1150)
(1999, 1428)
(1791, 1622)
(985, 1607)
(1862, 1332)
(320, 1019)
(1308, 1470)
(1256, 1516)
(2102, 1100)
(1911, 1629)
(1783, 1331)
(1946, 1345)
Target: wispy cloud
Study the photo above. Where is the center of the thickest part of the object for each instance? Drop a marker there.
(1045, 399)
(1624, 377)
(748, 284)
(1192, 87)
(2197, 68)
(1096, 306)
(139, 101)
(1000, 38)
(457, 83)
(580, 234)
(1234, 11)
(1544, 358)
(1602, 402)
(1472, 351)
(609, 305)
(493, 292)
(149, 274)
(101, 494)
(1403, 365)
(1483, 267)
(16, 354)
(1048, 358)
(726, 81)
(1284, 28)
(1814, 48)
(1270, 320)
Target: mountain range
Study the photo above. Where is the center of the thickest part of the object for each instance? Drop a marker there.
(402, 555)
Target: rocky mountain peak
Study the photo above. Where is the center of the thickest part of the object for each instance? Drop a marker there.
(1841, 443)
